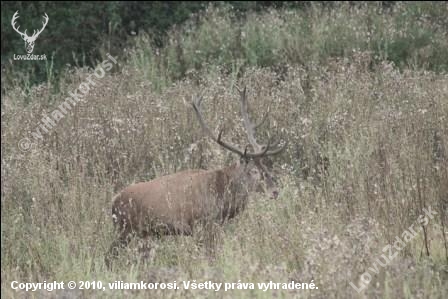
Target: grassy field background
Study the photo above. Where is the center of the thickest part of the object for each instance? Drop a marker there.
(368, 152)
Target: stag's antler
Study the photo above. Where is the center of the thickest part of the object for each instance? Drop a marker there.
(271, 149)
(24, 35)
(13, 23)
(44, 23)
(259, 150)
(196, 106)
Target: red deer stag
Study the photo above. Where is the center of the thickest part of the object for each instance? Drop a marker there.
(173, 204)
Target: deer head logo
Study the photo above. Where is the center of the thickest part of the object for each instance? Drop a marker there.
(29, 40)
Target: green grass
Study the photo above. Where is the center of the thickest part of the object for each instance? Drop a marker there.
(409, 34)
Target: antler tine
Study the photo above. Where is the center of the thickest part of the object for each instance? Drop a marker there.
(197, 101)
(267, 152)
(260, 150)
(44, 23)
(245, 150)
(13, 23)
(248, 125)
(260, 153)
(196, 104)
(265, 116)
(277, 150)
(275, 144)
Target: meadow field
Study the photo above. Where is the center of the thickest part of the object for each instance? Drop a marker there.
(361, 95)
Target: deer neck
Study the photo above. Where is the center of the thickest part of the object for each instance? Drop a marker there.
(231, 197)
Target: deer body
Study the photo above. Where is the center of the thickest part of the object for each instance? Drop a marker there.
(173, 204)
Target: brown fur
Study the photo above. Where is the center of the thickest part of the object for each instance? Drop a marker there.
(176, 203)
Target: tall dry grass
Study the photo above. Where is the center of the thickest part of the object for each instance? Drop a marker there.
(368, 151)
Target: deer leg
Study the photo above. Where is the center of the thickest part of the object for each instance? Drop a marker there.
(122, 241)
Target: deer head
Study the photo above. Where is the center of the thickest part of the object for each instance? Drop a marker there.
(254, 166)
(29, 40)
